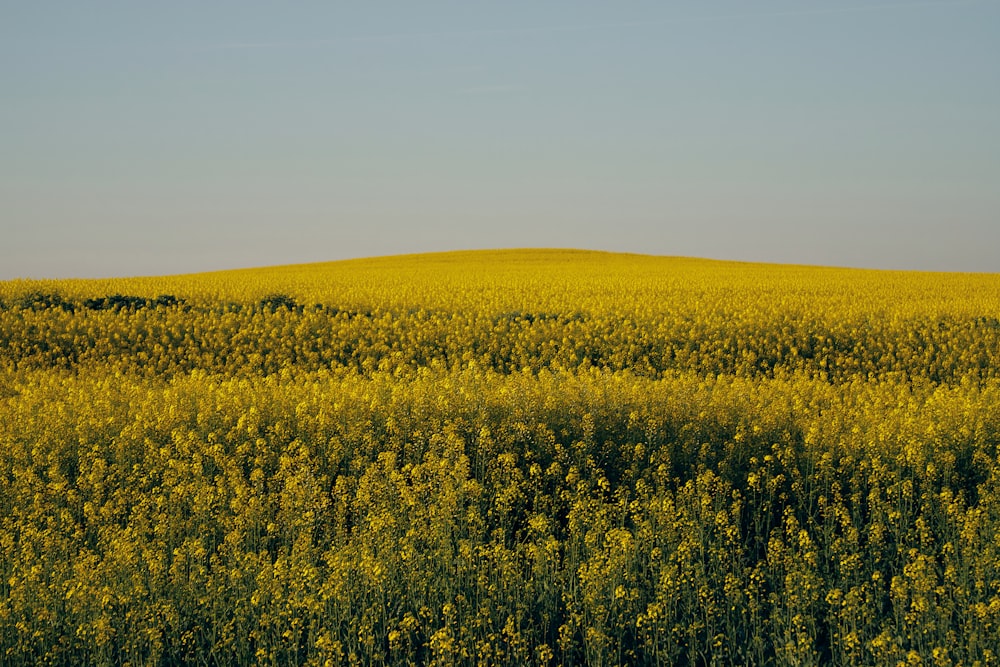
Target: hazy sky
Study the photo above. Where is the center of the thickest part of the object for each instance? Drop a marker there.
(167, 137)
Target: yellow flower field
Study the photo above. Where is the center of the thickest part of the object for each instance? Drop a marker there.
(510, 457)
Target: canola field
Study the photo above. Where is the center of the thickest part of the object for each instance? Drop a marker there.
(529, 457)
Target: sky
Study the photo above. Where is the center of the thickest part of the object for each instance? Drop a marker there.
(184, 136)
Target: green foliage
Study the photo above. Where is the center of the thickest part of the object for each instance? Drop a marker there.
(274, 302)
(45, 301)
(120, 302)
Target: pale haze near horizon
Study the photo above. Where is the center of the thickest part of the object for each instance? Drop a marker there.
(146, 139)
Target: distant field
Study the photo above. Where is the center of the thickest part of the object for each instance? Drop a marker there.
(508, 457)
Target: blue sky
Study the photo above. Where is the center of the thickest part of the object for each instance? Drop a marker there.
(155, 138)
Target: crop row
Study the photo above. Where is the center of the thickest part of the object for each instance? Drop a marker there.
(254, 340)
(476, 517)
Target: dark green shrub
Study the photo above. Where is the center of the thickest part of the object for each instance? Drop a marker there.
(274, 302)
(116, 302)
(45, 301)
